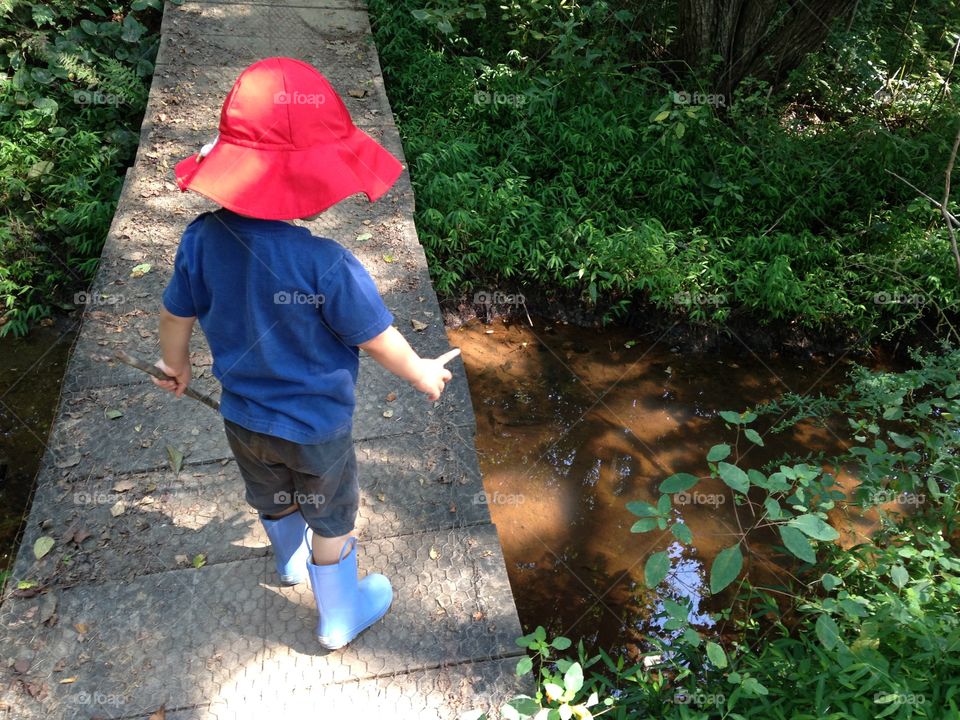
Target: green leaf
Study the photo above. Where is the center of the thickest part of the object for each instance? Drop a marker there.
(899, 575)
(716, 654)
(797, 543)
(718, 452)
(47, 106)
(753, 436)
(561, 643)
(734, 477)
(682, 533)
(678, 483)
(827, 631)
(89, 27)
(726, 566)
(644, 525)
(42, 546)
(525, 665)
(753, 686)
(677, 611)
(814, 527)
(554, 692)
(638, 507)
(656, 568)
(112, 414)
(38, 169)
(731, 417)
(132, 29)
(523, 704)
(772, 508)
(901, 441)
(830, 581)
(573, 678)
(661, 116)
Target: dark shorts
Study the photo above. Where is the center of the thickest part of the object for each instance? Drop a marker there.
(321, 479)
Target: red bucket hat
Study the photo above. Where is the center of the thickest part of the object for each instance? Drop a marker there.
(287, 147)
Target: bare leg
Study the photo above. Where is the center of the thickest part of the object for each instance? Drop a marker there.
(326, 551)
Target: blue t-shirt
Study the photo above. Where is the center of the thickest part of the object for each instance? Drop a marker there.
(283, 312)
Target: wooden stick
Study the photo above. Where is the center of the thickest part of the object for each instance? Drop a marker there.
(155, 372)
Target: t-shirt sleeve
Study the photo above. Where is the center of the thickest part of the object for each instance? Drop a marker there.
(352, 307)
(177, 297)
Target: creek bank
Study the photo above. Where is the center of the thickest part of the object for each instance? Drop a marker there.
(741, 333)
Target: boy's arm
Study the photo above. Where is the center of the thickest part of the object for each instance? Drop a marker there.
(391, 350)
(174, 351)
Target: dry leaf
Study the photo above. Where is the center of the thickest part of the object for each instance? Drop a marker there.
(42, 546)
(160, 714)
(357, 93)
(391, 397)
(67, 681)
(118, 509)
(381, 497)
(124, 485)
(388, 413)
(66, 461)
(81, 628)
(417, 325)
(48, 607)
(434, 554)
(175, 457)
(112, 414)
(140, 270)
(478, 615)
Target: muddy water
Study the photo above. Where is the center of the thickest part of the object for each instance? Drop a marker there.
(31, 371)
(574, 423)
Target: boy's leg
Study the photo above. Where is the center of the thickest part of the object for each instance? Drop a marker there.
(270, 490)
(329, 497)
(326, 551)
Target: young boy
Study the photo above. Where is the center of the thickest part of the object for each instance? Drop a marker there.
(284, 313)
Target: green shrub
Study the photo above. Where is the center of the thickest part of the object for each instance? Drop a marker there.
(73, 89)
(559, 153)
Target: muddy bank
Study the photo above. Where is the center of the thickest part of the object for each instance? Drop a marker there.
(740, 333)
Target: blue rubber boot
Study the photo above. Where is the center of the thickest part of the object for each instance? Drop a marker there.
(290, 548)
(346, 606)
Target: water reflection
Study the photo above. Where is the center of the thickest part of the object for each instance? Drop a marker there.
(578, 422)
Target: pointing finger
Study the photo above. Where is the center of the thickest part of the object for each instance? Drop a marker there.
(448, 356)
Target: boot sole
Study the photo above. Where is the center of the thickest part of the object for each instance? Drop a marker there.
(327, 645)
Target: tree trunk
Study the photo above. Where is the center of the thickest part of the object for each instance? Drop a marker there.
(765, 39)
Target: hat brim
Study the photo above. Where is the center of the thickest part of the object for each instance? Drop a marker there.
(286, 184)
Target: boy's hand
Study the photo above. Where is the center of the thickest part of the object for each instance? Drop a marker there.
(181, 377)
(433, 375)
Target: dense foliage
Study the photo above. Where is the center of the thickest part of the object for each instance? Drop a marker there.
(854, 633)
(556, 144)
(75, 79)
